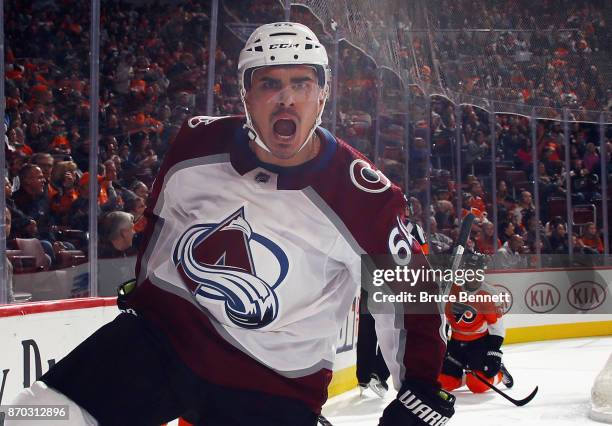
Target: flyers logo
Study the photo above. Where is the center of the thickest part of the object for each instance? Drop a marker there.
(464, 313)
(216, 263)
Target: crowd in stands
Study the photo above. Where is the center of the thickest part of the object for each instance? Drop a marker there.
(515, 192)
(545, 53)
(154, 60)
(153, 75)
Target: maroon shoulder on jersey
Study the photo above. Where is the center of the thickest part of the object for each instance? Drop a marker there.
(366, 201)
(370, 207)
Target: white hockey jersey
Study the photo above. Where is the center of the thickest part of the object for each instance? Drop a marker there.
(251, 269)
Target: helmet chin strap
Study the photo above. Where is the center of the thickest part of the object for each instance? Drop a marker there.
(254, 136)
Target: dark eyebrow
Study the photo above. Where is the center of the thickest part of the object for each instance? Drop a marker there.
(301, 79)
(268, 80)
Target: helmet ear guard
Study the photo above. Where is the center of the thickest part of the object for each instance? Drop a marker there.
(282, 43)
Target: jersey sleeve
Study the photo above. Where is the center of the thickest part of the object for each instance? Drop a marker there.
(497, 328)
(494, 315)
(410, 333)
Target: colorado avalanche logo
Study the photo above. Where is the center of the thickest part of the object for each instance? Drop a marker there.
(216, 263)
(464, 313)
(366, 178)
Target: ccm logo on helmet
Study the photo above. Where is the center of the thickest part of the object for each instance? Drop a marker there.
(283, 45)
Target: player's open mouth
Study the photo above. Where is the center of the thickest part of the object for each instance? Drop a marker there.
(285, 128)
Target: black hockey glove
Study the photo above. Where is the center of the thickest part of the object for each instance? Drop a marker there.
(418, 404)
(491, 362)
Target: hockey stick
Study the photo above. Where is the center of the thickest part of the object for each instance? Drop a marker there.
(464, 233)
(517, 402)
(462, 239)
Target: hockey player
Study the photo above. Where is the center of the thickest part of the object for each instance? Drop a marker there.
(477, 334)
(249, 265)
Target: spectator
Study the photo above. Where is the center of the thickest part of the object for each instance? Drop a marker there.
(136, 206)
(590, 238)
(116, 235)
(478, 195)
(525, 204)
(63, 180)
(414, 211)
(524, 156)
(45, 162)
(591, 158)
(31, 199)
(109, 147)
(439, 243)
(142, 161)
(484, 244)
(510, 256)
(506, 231)
(16, 160)
(558, 239)
(444, 213)
(502, 191)
(80, 153)
(21, 225)
(580, 248)
(112, 187)
(139, 188)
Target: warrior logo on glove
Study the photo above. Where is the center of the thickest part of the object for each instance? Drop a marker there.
(216, 264)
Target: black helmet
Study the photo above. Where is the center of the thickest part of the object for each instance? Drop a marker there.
(474, 260)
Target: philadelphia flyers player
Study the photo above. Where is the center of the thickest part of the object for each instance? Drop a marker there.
(250, 263)
(477, 335)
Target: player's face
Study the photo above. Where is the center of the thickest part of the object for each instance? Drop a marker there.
(284, 102)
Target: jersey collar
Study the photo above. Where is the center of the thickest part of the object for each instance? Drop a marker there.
(295, 177)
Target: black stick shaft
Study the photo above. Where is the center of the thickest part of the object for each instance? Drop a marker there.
(517, 402)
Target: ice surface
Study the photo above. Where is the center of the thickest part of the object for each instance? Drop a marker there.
(563, 369)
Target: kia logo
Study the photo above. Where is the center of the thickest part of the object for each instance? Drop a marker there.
(542, 298)
(586, 295)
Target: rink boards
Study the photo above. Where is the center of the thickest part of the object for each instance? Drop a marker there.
(550, 304)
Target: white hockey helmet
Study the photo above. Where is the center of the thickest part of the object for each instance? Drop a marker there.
(282, 43)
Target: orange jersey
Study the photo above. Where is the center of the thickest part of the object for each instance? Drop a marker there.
(471, 320)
